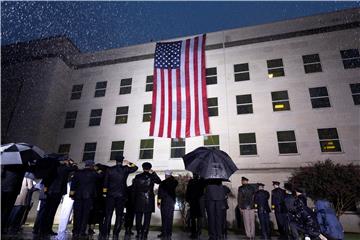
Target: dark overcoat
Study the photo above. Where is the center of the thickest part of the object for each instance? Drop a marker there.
(143, 187)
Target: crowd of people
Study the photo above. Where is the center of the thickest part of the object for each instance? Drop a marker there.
(90, 196)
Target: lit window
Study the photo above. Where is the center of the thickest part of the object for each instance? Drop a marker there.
(275, 68)
(147, 112)
(244, 104)
(70, 119)
(89, 151)
(211, 76)
(280, 101)
(76, 91)
(350, 58)
(212, 141)
(117, 149)
(149, 83)
(247, 144)
(319, 97)
(329, 140)
(241, 72)
(95, 117)
(355, 91)
(312, 63)
(125, 86)
(121, 115)
(177, 147)
(64, 148)
(213, 107)
(287, 142)
(146, 148)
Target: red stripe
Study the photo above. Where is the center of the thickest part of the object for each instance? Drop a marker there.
(178, 104)
(203, 81)
(153, 111)
(187, 88)
(196, 88)
(162, 108)
(169, 103)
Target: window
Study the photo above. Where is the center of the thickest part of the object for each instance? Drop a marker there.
(213, 107)
(280, 101)
(64, 148)
(149, 83)
(312, 63)
(147, 113)
(100, 89)
(275, 68)
(212, 141)
(117, 149)
(244, 104)
(319, 97)
(95, 117)
(329, 140)
(125, 86)
(89, 151)
(121, 115)
(70, 119)
(247, 144)
(146, 148)
(76, 91)
(355, 91)
(177, 147)
(287, 142)
(350, 58)
(211, 76)
(241, 72)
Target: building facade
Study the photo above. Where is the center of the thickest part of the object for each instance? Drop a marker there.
(280, 95)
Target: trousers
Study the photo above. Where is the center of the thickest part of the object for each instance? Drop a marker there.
(249, 222)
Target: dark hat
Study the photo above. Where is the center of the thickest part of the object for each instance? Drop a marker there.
(260, 184)
(119, 158)
(146, 166)
(288, 186)
(299, 190)
(276, 183)
(89, 163)
(244, 179)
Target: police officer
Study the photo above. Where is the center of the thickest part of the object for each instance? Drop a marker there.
(261, 200)
(130, 214)
(166, 201)
(278, 205)
(144, 198)
(115, 190)
(246, 206)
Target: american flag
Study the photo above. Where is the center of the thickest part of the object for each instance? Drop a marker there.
(179, 102)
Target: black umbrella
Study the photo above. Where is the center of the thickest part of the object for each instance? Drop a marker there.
(46, 167)
(210, 163)
(20, 154)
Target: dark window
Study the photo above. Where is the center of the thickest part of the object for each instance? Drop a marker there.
(76, 91)
(241, 72)
(212, 141)
(211, 76)
(312, 63)
(95, 117)
(64, 148)
(146, 148)
(100, 89)
(287, 142)
(247, 144)
(117, 149)
(329, 140)
(147, 112)
(125, 86)
(121, 115)
(70, 119)
(244, 104)
(350, 58)
(319, 97)
(280, 101)
(355, 91)
(213, 107)
(177, 147)
(149, 83)
(275, 68)
(89, 151)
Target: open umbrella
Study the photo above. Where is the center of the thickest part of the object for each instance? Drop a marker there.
(20, 154)
(46, 166)
(210, 163)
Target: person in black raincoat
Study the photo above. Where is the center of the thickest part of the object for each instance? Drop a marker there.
(144, 199)
(278, 205)
(261, 200)
(130, 211)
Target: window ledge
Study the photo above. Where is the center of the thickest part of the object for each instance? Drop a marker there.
(244, 156)
(289, 154)
(342, 152)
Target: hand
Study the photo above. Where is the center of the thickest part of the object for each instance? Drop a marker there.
(126, 162)
(151, 171)
(104, 195)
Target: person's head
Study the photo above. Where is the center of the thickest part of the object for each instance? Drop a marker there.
(244, 180)
(276, 184)
(288, 187)
(261, 186)
(89, 163)
(299, 191)
(146, 166)
(168, 173)
(119, 159)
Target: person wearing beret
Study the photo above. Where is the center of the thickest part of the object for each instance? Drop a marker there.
(278, 205)
(261, 200)
(144, 199)
(246, 205)
(115, 191)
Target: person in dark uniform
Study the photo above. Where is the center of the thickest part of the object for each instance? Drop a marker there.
(261, 200)
(224, 221)
(246, 205)
(278, 205)
(144, 199)
(11, 181)
(55, 188)
(130, 212)
(195, 197)
(167, 200)
(115, 190)
(83, 191)
(215, 204)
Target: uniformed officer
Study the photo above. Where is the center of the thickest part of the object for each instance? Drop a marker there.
(278, 205)
(83, 191)
(115, 190)
(166, 201)
(300, 194)
(261, 200)
(130, 214)
(246, 206)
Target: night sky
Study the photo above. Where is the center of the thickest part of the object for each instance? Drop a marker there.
(94, 26)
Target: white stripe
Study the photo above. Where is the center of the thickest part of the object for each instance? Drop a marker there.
(192, 95)
(183, 95)
(166, 101)
(10, 158)
(158, 102)
(201, 112)
(174, 105)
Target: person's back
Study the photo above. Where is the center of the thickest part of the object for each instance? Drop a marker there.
(115, 180)
(261, 199)
(84, 183)
(278, 199)
(329, 223)
(246, 196)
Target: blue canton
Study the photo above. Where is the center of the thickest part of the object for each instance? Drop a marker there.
(167, 55)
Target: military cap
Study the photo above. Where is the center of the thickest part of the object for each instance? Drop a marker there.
(244, 179)
(260, 184)
(168, 173)
(288, 186)
(146, 166)
(276, 183)
(299, 190)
